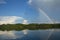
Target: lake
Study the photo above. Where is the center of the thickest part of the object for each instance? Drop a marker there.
(48, 34)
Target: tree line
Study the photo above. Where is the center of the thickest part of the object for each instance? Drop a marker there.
(28, 26)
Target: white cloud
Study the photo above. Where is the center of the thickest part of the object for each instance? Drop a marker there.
(12, 20)
(9, 19)
(2, 2)
(25, 22)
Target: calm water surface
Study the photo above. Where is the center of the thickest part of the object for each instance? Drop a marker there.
(49, 34)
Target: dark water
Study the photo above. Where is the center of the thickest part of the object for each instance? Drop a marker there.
(50, 34)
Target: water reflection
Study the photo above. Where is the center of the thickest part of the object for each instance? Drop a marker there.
(51, 34)
(7, 35)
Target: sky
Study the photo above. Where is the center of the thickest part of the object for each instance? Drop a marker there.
(29, 11)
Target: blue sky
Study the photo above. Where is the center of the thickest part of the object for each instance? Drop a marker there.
(13, 8)
(29, 11)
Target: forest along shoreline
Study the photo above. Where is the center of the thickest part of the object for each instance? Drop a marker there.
(19, 27)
